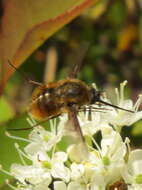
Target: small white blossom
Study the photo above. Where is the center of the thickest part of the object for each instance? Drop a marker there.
(60, 185)
(76, 185)
(119, 118)
(58, 169)
(33, 175)
(132, 172)
(77, 171)
(109, 160)
(42, 139)
(134, 187)
(89, 127)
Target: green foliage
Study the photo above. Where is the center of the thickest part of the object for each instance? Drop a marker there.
(137, 129)
(6, 111)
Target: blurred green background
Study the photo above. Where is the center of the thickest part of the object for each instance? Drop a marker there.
(112, 31)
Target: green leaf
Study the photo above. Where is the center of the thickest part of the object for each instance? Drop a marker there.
(137, 129)
(6, 111)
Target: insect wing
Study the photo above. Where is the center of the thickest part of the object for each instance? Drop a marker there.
(74, 131)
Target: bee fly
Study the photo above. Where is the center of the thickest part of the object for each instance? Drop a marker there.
(64, 96)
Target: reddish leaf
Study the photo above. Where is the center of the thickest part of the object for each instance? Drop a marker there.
(27, 24)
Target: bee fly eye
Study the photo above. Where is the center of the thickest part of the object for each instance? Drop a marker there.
(95, 95)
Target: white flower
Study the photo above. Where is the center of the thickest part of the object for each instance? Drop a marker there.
(82, 165)
(132, 172)
(76, 185)
(108, 161)
(103, 166)
(118, 117)
(135, 187)
(43, 140)
(112, 145)
(77, 171)
(30, 174)
(97, 122)
(58, 169)
(60, 185)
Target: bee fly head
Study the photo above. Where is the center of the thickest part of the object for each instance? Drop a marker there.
(95, 96)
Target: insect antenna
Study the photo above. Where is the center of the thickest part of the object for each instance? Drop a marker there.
(117, 107)
(23, 75)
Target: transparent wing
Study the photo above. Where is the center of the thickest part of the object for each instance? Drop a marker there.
(74, 131)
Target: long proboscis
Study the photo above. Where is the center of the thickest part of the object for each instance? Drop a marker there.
(117, 107)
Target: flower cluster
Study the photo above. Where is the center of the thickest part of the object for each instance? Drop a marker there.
(59, 163)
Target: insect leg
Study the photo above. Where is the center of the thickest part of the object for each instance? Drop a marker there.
(24, 76)
(36, 125)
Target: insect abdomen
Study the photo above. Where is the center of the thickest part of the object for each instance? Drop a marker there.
(44, 106)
